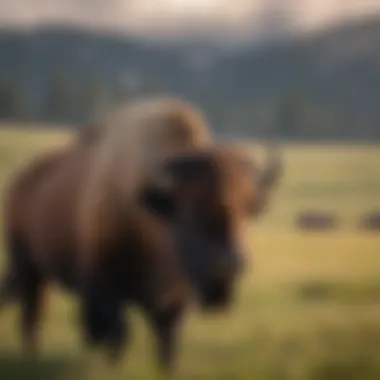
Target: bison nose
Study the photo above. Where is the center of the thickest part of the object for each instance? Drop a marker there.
(229, 266)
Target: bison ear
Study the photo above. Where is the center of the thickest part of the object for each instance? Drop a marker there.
(158, 200)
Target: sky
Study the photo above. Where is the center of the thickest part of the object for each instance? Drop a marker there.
(172, 17)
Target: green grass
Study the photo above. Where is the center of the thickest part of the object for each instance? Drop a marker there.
(308, 307)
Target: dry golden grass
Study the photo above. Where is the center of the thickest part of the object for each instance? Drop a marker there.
(307, 309)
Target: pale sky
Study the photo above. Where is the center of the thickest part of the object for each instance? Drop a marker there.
(172, 16)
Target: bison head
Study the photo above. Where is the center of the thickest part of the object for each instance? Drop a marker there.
(207, 195)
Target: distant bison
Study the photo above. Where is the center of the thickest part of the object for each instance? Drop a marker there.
(371, 221)
(86, 217)
(316, 220)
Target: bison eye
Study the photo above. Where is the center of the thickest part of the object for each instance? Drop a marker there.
(158, 201)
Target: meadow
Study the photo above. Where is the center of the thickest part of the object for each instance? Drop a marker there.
(308, 307)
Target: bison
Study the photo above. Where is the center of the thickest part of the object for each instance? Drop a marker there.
(153, 231)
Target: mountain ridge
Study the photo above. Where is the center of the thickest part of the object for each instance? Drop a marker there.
(334, 71)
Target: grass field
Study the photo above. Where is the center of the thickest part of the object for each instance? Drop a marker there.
(308, 307)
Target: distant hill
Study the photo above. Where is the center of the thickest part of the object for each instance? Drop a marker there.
(321, 86)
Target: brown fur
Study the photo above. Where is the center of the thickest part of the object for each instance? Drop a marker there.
(42, 237)
(132, 256)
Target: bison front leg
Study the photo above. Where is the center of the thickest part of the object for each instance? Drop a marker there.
(166, 326)
(102, 320)
(117, 336)
(31, 297)
(25, 283)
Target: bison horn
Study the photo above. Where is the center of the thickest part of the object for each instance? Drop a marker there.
(272, 169)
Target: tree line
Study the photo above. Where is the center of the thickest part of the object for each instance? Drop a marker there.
(61, 99)
(64, 100)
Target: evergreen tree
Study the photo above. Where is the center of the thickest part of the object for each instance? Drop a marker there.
(14, 101)
(93, 99)
(60, 98)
